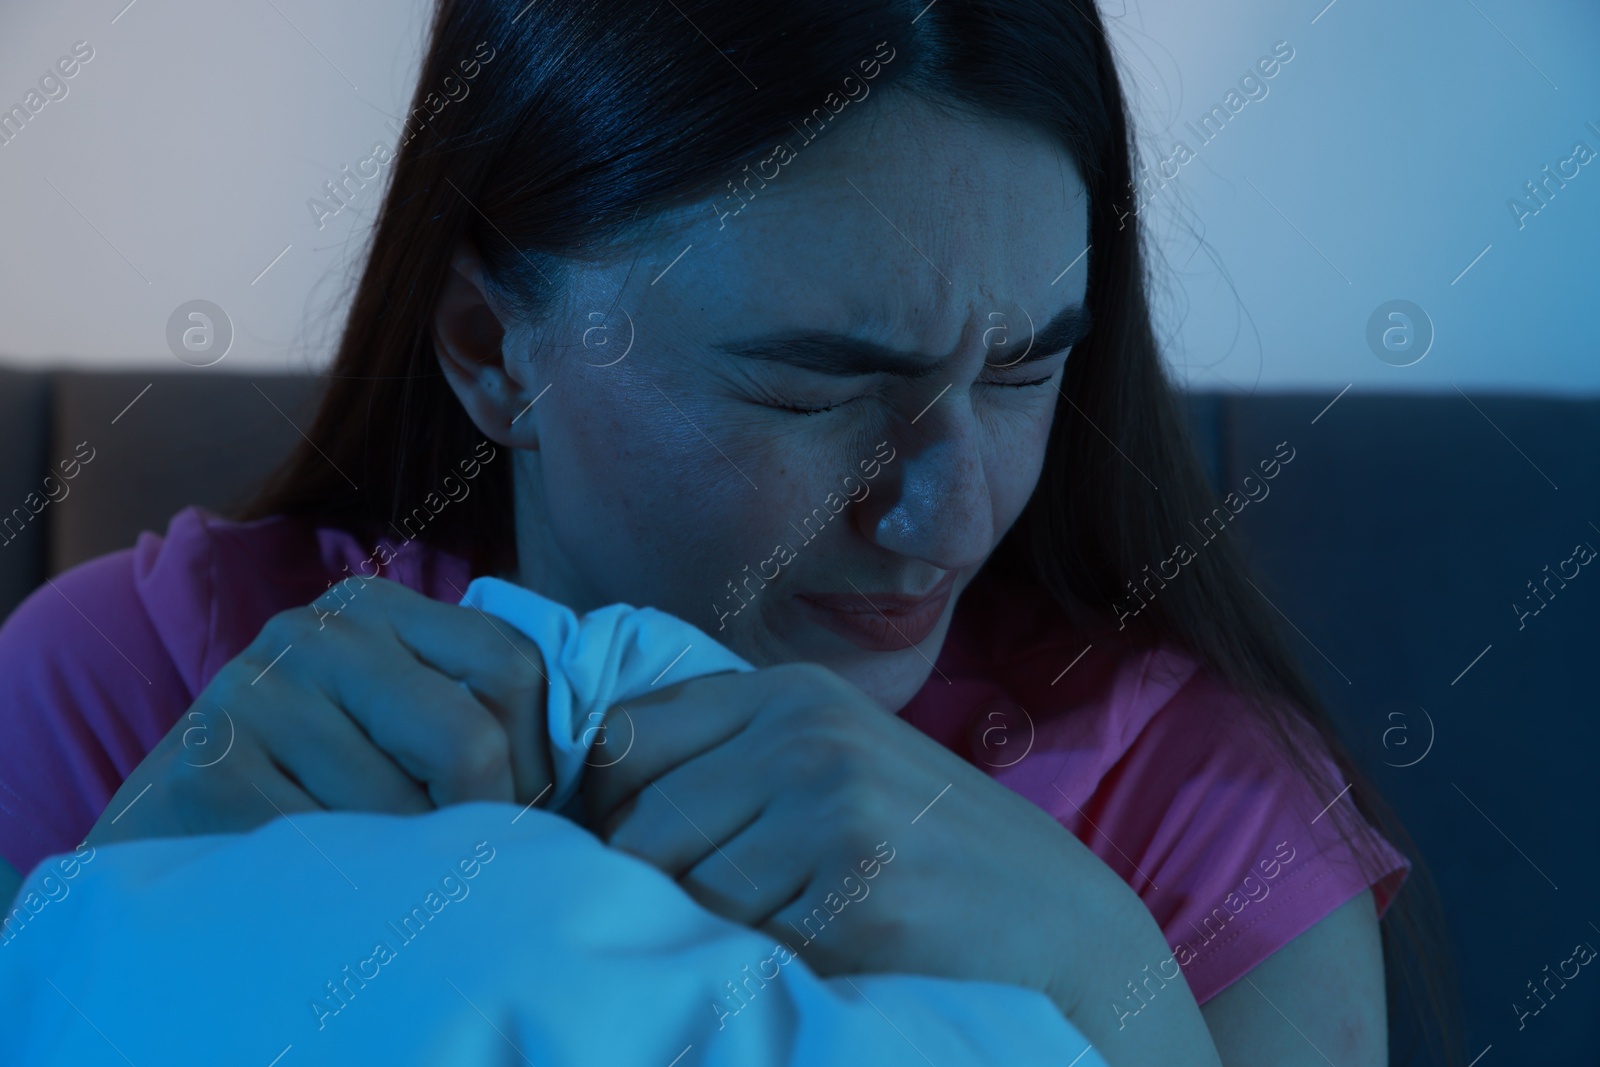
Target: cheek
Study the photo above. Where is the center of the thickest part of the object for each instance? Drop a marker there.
(1014, 459)
(645, 506)
(614, 470)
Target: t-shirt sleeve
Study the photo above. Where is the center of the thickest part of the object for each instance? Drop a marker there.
(97, 664)
(87, 688)
(1247, 853)
(1233, 851)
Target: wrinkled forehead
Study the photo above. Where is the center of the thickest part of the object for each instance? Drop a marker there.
(904, 225)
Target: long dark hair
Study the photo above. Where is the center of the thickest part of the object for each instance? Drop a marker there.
(581, 123)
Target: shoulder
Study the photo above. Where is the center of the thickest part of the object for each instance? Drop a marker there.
(1020, 676)
(1249, 852)
(193, 597)
(1165, 772)
(211, 583)
(98, 663)
(87, 687)
(82, 636)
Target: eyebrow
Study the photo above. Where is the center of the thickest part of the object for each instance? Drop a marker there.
(850, 357)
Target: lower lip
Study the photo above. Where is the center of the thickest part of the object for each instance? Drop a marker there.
(885, 632)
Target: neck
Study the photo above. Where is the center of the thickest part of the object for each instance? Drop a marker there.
(541, 566)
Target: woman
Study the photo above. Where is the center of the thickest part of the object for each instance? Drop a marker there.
(822, 327)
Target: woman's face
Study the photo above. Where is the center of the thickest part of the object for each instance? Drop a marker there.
(661, 464)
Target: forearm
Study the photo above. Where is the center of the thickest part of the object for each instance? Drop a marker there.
(1168, 1029)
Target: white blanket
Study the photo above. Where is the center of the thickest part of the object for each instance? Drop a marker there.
(604, 658)
(479, 934)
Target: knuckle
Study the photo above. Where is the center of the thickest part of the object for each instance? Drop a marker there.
(854, 794)
(480, 750)
(807, 675)
(804, 692)
(349, 598)
(355, 596)
(834, 756)
(802, 757)
(855, 763)
(524, 672)
(190, 790)
(826, 730)
(285, 627)
(372, 595)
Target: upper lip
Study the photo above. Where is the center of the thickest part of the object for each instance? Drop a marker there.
(888, 603)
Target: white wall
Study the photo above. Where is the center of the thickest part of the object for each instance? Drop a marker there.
(1378, 165)
(190, 144)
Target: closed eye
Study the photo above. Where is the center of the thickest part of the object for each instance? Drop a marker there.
(1046, 380)
(1034, 384)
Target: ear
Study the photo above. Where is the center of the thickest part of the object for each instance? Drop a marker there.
(468, 337)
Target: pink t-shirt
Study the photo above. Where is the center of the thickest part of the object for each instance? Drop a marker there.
(1142, 755)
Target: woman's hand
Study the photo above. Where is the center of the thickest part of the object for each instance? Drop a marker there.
(396, 703)
(771, 795)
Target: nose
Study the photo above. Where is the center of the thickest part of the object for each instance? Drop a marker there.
(937, 506)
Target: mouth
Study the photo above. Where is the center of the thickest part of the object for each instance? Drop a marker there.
(881, 622)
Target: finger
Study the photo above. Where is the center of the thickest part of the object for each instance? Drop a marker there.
(753, 875)
(514, 687)
(685, 720)
(672, 830)
(672, 726)
(521, 716)
(839, 931)
(281, 792)
(501, 667)
(433, 728)
(334, 761)
(815, 932)
(675, 820)
(255, 793)
(462, 642)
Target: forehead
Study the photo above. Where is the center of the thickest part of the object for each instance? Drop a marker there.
(906, 226)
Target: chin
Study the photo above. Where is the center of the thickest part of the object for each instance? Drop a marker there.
(891, 682)
(889, 678)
